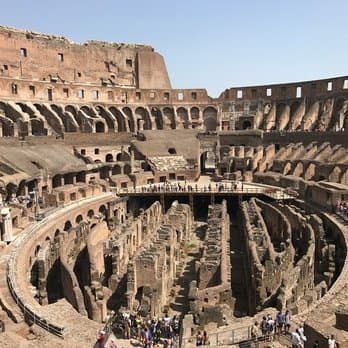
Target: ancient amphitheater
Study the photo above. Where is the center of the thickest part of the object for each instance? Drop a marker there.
(119, 194)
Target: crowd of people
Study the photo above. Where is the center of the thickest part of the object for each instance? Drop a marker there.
(271, 328)
(341, 208)
(183, 187)
(148, 333)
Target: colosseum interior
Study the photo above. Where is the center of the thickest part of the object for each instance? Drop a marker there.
(119, 193)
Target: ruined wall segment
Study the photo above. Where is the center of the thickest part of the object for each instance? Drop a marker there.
(41, 57)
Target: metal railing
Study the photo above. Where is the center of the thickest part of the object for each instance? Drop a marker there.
(29, 313)
(155, 189)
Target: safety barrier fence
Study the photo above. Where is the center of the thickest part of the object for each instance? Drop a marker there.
(31, 314)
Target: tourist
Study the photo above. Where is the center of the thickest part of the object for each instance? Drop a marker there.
(101, 339)
(280, 322)
(331, 342)
(296, 341)
(263, 326)
(205, 338)
(270, 328)
(287, 321)
(255, 332)
(302, 335)
(199, 339)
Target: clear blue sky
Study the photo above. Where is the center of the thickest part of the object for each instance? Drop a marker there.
(210, 44)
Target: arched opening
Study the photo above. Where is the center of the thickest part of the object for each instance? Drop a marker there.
(169, 114)
(57, 181)
(127, 169)
(54, 286)
(121, 121)
(78, 219)
(131, 124)
(67, 226)
(103, 211)
(194, 113)
(106, 115)
(172, 151)
(116, 170)
(109, 158)
(90, 214)
(142, 114)
(82, 269)
(56, 235)
(123, 157)
(81, 177)
(99, 127)
(37, 127)
(104, 172)
(183, 116)
(207, 162)
(108, 270)
(157, 115)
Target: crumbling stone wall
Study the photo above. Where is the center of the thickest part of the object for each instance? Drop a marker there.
(152, 271)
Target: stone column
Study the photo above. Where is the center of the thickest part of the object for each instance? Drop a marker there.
(15, 130)
(6, 224)
(30, 130)
(1, 131)
(132, 161)
(141, 125)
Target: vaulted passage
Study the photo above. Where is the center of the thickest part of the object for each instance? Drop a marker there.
(82, 269)
(54, 285)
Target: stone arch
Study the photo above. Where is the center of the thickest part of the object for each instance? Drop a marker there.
(82, 269)
(123, 157)
(107, 116)
(57, 180)
(78, 219)
(37, 127)
(298, 170)
(335, 174)
(183, 116)
(210, 118)
(168, 112)
(88, 110)
(287, 168)
(90, 213)
(99, 127)
(130, 119)
(109, 157)
(67, 226)
(143, 115)
(158, 117)
(54, 286)
(72, 109)
(127, 169)
(194, 113)
(116, 170)
(121, 121)
(103, 210)
(310, 172)
(81, 176)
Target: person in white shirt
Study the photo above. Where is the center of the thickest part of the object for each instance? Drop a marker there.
(301, 333)
(296, 341)
(332, 342)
